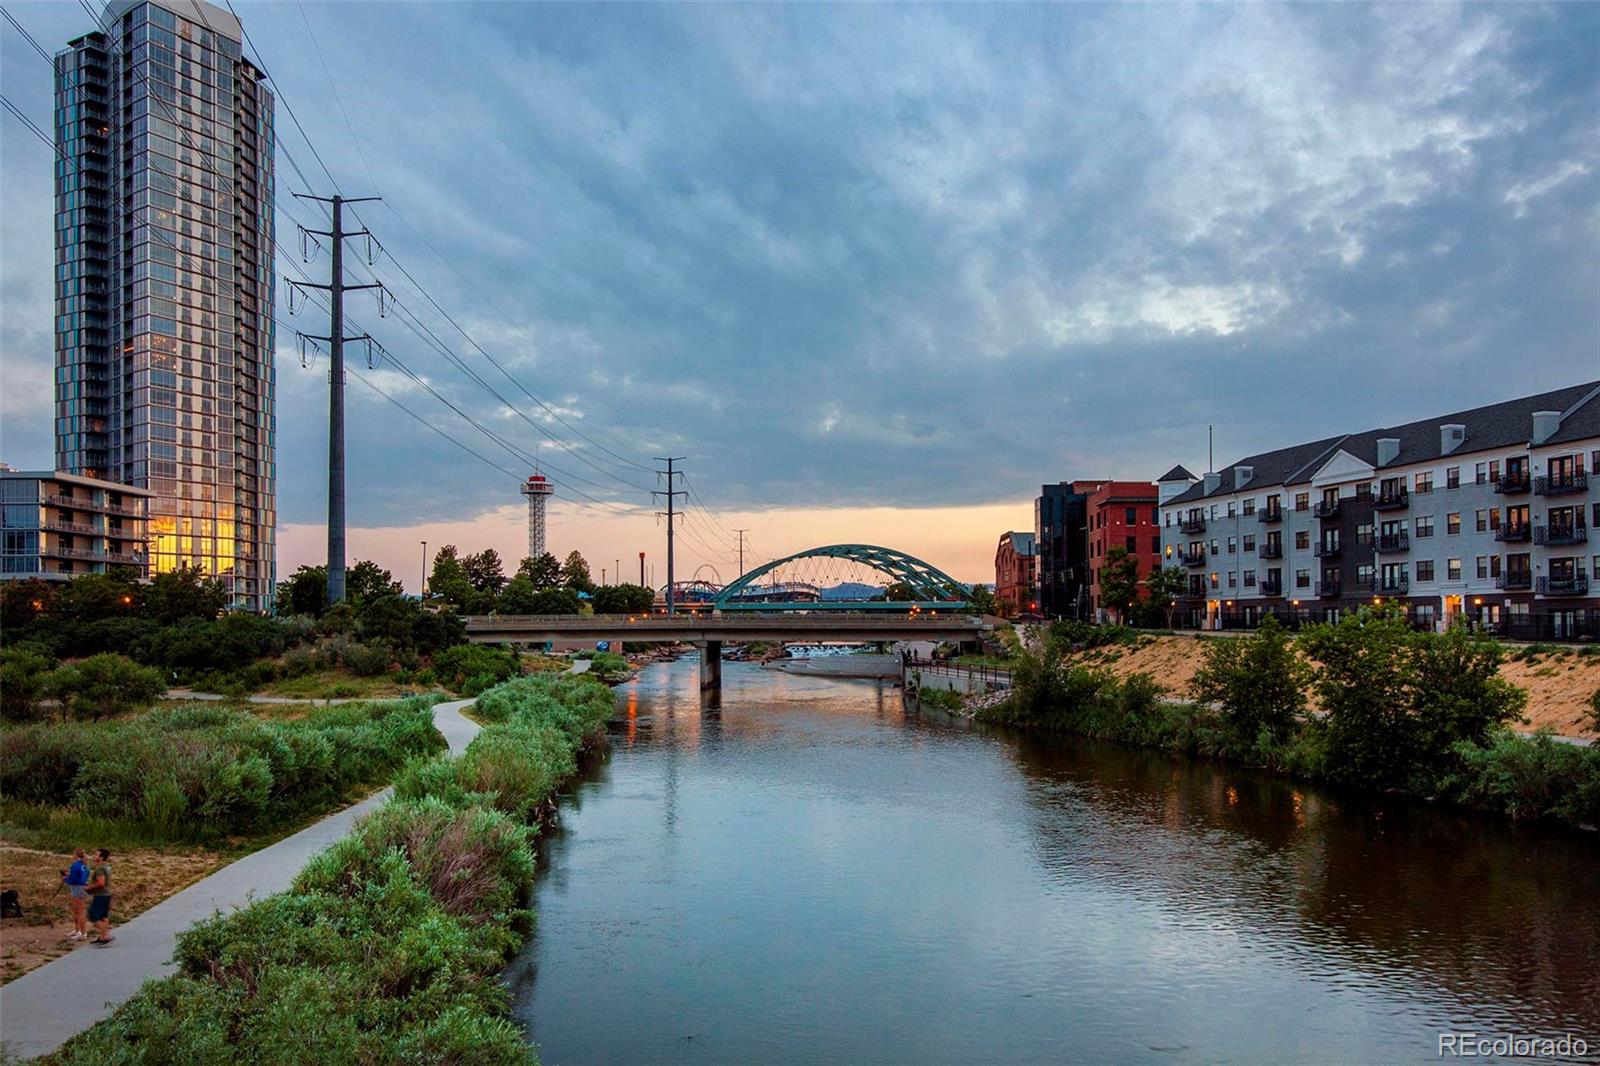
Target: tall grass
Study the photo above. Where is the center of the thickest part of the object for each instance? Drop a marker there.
(389, 945)
(198, 773)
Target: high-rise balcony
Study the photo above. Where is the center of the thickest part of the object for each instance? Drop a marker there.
(1326, 509)
(1392, 583)
(1269, 587)
(1561, 484)
(1394, 542)
(1192, 558)
(1564, 533)
(1270, 514)
(1192, 524)
(1391, 499)
(1329, 590)
(1512, 481)
(1272, 549)
(1514, 580)
(1514, 532)
(1577, 585)
(1325, 551)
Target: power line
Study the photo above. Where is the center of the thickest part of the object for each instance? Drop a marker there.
(337, 98)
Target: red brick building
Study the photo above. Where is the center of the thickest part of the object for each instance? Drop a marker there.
(1122, 514)
(1014, 575)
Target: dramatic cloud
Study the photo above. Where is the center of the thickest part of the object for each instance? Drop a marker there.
(907, 256)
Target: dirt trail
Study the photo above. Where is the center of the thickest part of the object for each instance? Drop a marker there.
(1559, 683)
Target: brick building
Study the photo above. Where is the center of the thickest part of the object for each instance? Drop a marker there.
(1122, 514)
(1014, 575)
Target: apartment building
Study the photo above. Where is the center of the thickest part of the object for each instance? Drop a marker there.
(1122, 514)
(1061, 547)
(56, 526)
(1480, 515)
(1014, 575)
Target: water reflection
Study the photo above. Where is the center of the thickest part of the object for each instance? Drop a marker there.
(813, 873)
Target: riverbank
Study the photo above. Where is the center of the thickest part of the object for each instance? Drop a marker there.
(387, 946)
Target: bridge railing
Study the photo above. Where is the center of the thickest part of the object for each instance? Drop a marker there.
(830, 619)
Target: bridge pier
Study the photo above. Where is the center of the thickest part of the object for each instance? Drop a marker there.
(711, 666)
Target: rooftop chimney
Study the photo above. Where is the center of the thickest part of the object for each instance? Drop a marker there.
(1388, 450)
(1545, 424)
(1451, 434)
(1212, 482)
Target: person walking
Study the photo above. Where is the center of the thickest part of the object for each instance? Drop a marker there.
(100, 898)
(76, 878)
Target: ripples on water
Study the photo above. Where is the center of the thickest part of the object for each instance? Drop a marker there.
(811, 873)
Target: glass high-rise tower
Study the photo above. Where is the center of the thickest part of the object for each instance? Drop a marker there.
(164, 283)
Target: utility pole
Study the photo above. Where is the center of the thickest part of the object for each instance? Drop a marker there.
(641, 572)
(424, 569)
(336, 289)
(741, 533)
(672, 493)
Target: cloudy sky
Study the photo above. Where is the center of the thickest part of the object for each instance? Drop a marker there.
(878, 272)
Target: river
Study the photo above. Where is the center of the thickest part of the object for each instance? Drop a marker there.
(814, 873)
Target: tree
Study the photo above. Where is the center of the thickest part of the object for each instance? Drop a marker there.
(185, 593)
(982, 600)
(1164, 585)
(451, 583)
(900, 592)
(1119, 582)
(1259, 682)
(575, 573)
(22, 602)
(304, 592)
(518, 597)
(623, 599)
(105, 685)
(367, 580)
(24, 674)
(91, 597)
(544, 571)
(556, 601)
(485, 572)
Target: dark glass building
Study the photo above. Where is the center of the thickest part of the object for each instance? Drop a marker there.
(1061, 542)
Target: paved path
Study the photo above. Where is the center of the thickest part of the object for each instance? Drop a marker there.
(41, 1010)
(212, 697)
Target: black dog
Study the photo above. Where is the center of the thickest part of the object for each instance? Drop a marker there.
(10, 904)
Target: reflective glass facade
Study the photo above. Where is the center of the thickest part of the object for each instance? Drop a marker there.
(164, 283)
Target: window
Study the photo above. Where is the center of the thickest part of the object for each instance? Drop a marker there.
(1213, 510)
(1302, 579)
(1364, 532)
(1155, 516)
(1215, 581)
(1483, 567)
(1481, 473)
(1424, 482)
(1425, 569)
(1169, 518)
(1233, 580)
(1302, 501)
(1494, 518)
(1250, 542)
(1452, 477)
(1250, 506)
(1131, 516)
(1452, 523)
(1452, 569)
(1494, 470)
(1132, 545)
(1214, 550)
(1155, 544)
(1483, 520)
(1494, 566)
(1250, 576)
(1302, 539)
(1233, 545)
(1424, 525)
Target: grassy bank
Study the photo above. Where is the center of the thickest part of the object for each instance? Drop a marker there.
(1415, 713)
(389, 945)
(198, 773)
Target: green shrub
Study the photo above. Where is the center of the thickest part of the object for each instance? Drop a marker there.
(1258, 682)
(1537, 777)
(24, 675)
(480, 664)
(368, 660)
(105, 685)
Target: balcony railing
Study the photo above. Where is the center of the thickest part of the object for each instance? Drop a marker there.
(1517, 482)
(1271, 588)
(1271, 550)
(1192, 558)
(1326, 509)
(1570, 533)
(1561, 484)
(1325, 551)
(1514, 580)
(55, 525)
(1393, 583)
(1192, 524)
(1394, 542)
(1391, 499)
(1328, 590)
(1564, 586)
(1270, 514)
(83, 503)
(1514, 533)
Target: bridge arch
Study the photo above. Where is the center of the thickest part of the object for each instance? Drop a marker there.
(930, 586)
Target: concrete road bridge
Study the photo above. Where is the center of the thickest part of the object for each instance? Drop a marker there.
(711, 631)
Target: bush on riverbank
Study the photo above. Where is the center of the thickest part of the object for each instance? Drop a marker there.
(198, 772)
(389, 946)
(1420, 713)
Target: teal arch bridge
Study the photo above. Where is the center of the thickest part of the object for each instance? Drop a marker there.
(916, 585)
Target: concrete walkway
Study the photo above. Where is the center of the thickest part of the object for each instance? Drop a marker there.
(41, 1010)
